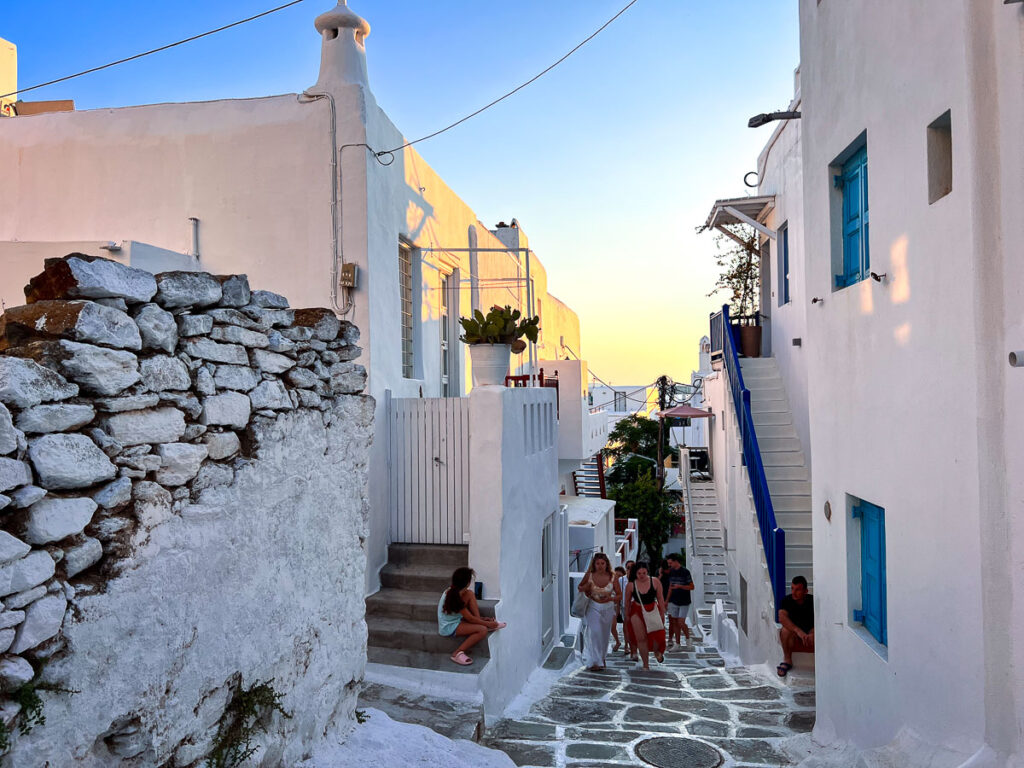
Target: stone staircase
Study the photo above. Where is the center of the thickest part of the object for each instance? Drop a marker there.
(784, 462)
(710, 548)
(401, 618)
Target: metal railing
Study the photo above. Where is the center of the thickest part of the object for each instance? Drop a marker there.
(773, 538)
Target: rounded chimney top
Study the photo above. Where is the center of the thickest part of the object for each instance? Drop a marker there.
(340, 17)
(343, 48)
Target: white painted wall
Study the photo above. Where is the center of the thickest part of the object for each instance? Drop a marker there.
(885, 362)
(780, 173)
(513, 436)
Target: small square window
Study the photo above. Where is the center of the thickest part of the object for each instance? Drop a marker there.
(940, 158)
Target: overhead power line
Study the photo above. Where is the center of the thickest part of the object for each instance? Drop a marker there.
(533, 79)
(155, 50)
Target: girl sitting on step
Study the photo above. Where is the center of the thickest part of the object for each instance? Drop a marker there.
(458, 615)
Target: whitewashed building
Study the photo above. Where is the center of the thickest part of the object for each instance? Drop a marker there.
(315, 193)
(890, 380)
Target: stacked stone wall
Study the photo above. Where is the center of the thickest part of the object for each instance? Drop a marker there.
(182, 513)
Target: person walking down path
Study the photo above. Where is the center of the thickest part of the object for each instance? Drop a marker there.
(647, 614)
(680, 584)
(458, 615)
(620, 573)
(600, 586)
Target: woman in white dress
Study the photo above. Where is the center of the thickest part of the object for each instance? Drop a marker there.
(601, 586)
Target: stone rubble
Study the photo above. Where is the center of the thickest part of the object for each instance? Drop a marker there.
(126, 399)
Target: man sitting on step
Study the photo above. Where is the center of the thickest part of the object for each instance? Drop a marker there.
(796, 615)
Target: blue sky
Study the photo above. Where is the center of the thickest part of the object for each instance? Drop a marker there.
(608, 162)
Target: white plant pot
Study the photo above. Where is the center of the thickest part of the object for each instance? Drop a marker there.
(490, 363)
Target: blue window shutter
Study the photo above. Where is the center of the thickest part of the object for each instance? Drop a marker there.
(853, 181)
(872, 553)
(785, 265)
(864, 215)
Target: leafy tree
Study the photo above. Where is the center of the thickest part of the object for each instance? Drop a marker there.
(651, 508)
(628, 470)
(740, 267)
(636, 434)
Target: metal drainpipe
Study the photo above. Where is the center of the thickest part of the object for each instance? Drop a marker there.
(337, 253)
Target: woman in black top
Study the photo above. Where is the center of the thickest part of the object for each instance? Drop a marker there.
(644, 595)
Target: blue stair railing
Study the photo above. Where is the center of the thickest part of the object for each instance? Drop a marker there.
(773, 538)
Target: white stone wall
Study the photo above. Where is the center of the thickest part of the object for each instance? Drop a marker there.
(183, 467)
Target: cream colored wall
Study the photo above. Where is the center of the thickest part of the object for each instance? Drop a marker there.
(8, 75)
(255, 172)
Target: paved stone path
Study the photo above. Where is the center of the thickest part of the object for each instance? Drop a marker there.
(597, 719)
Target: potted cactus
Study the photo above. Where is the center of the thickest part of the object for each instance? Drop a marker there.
(493, 337)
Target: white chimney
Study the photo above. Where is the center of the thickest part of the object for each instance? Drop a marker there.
(343, 48)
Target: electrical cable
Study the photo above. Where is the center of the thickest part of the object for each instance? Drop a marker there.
(514, 90)
(155, 50)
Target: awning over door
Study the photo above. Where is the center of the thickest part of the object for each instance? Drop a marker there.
(741, 210)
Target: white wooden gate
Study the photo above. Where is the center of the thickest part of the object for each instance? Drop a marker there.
(429, 470)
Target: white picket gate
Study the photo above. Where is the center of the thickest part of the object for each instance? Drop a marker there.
(429, 469)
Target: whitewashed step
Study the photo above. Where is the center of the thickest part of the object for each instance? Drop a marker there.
(761, 394)
(772, 444)
(797, 472)
(789, 488)
(787, 520)
(768, 406)
(774, 430)
(783, 504)
(757, 363)
(807, 571)
(773, 417)
(782, 458)
(795, 535)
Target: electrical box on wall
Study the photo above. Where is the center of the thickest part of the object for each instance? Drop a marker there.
(349, 277)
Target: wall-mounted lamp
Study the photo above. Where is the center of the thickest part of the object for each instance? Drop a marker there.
(764, 118)
(879, 277)
(817, 300)
(1017, 358)
(111, 246)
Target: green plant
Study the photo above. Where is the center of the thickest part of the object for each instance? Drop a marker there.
(361, 716)
(31, 711)
(740, 264)
(501, 325)
(244, 717)
(652, 509)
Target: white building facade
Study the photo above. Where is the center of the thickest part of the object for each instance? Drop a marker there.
(891, 339)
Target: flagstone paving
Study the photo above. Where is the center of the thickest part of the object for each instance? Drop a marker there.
(668, 716)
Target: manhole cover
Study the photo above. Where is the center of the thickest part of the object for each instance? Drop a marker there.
(676, 752)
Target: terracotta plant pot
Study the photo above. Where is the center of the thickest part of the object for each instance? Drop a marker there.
(490, 363)
(750, 340)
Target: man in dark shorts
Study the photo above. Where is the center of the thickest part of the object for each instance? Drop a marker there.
(796, 615)
(680, 584)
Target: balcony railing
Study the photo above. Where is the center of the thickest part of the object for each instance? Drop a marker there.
(773, 538)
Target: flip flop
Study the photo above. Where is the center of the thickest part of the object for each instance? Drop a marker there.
(501, 625)
(461, 659)
(783, 668)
